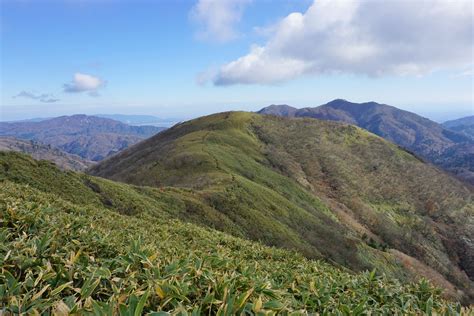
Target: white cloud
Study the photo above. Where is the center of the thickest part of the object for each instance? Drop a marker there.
(217, 19)
(370, 37)
(84, 83)
(42, 97)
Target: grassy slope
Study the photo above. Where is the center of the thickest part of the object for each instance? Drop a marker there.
(264, 204)
(64, 248)
(82, 189)
(326, 189)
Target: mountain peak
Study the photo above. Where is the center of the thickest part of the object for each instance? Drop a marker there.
(338, 101)
(348, 104)
(279, 110)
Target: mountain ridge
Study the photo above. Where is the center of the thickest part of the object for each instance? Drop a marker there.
(288, 183)
(447, 149)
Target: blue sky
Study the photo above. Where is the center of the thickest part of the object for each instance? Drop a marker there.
(188, 58)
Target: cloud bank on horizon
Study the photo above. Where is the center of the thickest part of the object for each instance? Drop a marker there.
(369, 37)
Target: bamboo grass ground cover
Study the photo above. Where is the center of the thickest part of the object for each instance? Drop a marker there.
(58, 257)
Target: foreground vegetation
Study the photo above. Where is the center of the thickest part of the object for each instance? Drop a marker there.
(60, 257)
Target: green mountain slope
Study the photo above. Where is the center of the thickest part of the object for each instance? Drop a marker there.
(90, 246)
(326, 189)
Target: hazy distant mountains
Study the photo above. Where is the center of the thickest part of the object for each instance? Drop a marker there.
(40, 151)
(279, 110)
(463, 125)
(90, 137)
(136, 120)
(451, 149)
(140, 120)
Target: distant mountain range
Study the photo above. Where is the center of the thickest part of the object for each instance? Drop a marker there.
(140, 120)
(463, 125)
(326, 189)
(40, 151)
(90, 137)
(136, 120)
(450, 148)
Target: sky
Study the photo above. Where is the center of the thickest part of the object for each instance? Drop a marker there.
(183, 59)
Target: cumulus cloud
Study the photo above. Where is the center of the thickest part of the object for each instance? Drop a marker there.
(84, 83)
(217, 19)
(43, 97)
(367, 37)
